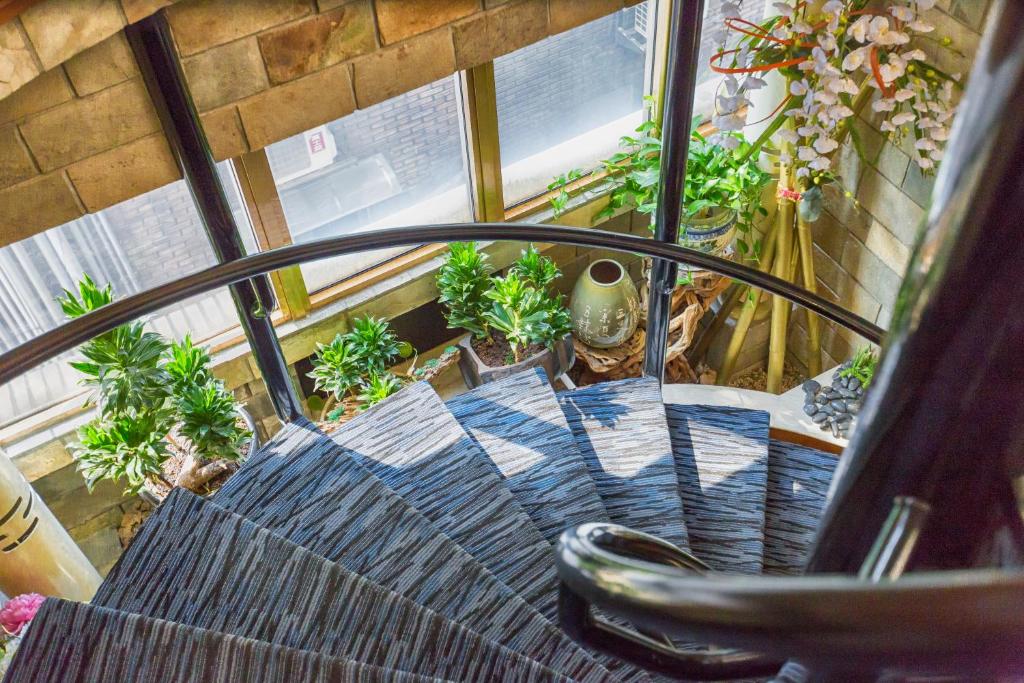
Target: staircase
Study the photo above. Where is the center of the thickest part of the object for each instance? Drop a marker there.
(415, 543)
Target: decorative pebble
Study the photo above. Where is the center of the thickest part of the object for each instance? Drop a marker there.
(853, 408)
(811, 408)
(838, 405)
(847, 393)
(811, 387)
(819, 418)
(821, 398)
(854, 384)
(828, 409)
(835, 430)
(845, 417)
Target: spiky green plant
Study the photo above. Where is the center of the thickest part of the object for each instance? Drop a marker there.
(125, 368)
(129, 447)
(208, 418)
(863, 366)
(187, 365)
(462, 281)
(535, 269)
(375, 343)
(517, 310)
(376, 388)
(336, 367)
(90, 297)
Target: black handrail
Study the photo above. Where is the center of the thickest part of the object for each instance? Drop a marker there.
(937, 622)
(71, 334)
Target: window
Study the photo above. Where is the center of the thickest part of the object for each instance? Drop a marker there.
(135, 245)
(401, 162)
(565, 102)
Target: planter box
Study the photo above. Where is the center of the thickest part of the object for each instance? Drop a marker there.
(555, 362)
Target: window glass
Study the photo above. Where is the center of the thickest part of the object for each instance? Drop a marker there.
(565, 102)
(397, 163)
(135, 245)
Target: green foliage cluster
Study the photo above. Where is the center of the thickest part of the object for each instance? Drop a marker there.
(521, 305)
(716, 178)
(863, 366)
(357, 362)
(142, 387)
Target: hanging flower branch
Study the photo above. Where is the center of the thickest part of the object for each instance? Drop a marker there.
(835, 59)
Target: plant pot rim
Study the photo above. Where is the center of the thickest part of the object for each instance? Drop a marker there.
(616, 281)
(554, 362)
(718, 213)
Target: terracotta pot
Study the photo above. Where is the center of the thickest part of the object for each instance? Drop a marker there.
(605, 305)
(554, 362)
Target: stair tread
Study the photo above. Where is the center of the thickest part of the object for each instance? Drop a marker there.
(196, 564)
(415, 446)
(71, 641)
(798, 481)
(302, 487)
(622, 433)
(721, 458)
(519, 428)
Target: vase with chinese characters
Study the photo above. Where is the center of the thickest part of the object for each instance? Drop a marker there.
(605, 306)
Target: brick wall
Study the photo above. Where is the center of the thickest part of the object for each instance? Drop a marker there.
(78, 132)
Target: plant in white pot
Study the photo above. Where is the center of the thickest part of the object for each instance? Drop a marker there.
(516, 321)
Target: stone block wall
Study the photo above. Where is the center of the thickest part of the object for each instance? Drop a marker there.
(78, 132)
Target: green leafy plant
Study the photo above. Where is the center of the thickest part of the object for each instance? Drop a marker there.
(560, 201)
(521, 305)
(462, 281)
(862, 366)
(377, 387)
(716, 178)
(129, 447)
(90, 297)
(353, 358)
(209, 419)
(188, 365)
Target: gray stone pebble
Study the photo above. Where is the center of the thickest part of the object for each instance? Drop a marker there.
(833, 406)
(811, 408)
(838, 405)
(819, 418)
(811, 387)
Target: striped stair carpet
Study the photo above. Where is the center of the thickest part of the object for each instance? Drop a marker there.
(415, 543)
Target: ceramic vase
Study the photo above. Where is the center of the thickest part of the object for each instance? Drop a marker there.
(605, 305)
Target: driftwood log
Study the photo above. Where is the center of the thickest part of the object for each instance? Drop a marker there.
(690, 302)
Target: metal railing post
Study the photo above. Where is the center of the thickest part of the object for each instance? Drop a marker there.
(154, 50)
(677, 112)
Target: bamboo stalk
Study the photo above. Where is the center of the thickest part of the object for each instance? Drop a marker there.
(806, 241)
(717, 323)
(783, 253)
(751, 300)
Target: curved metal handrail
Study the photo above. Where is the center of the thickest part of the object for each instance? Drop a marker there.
(967, 621)
(71, 334)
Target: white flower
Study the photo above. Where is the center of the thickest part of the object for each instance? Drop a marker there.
(920, 106)
(728, 141)
(828, 43)
(892, 69)
(887, 127)
(923, 5)
(902, 13)
(806, 154)
(833, 7)
(839, 111)
(859, 29)
(809, 131)
(911, 55)
(785, 9)
(902, 95)
(940, 133)
(925, 163)
(855, 59)
(728, 105)
(798, 88)
(924, 143)
(803, 172)
(787, 135)
(754, 83)
(781, 33)
(902, 117)
(825, 145)
(883, 104)
(826, 97)
(731, 84)
(820, 164)
(937, 155)
(920, 26)
(728, 122)
(802, 27)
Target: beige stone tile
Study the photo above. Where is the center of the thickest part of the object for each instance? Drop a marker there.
(888, 248)
(48, 458)
(398, 69)
(890, 206)
(15, 162)
(566, 14)
(60, 29)
(877, 278)
(482, 37)
(17, 64)
(101, 66)
(401, 19)
(318, 42)
(291, 108)
(226, 74)
(35, 205)
(124, 172)
(201, 24)
(41, 93)
(86, 126)
(134, 10)
(224, 131)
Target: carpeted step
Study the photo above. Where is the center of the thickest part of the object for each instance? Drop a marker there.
(721, 456)
(196, 564)
(301, 486)
(517, 424)
(73, 641)
(621, 431)
(415, 446)
(798, 482)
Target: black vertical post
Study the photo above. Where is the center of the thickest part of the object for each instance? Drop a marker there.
(154, 50)
(677, 112)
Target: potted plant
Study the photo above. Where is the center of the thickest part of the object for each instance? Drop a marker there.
(721, 195)
(516, 321)
(163, 419)
(355, 369)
